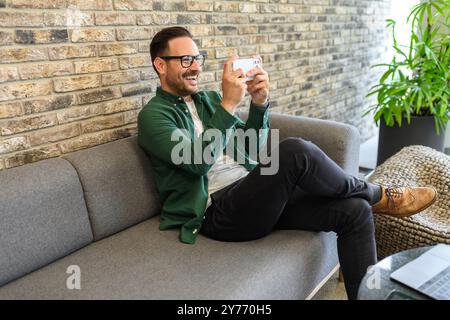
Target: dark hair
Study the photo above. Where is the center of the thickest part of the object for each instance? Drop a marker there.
(160, 41)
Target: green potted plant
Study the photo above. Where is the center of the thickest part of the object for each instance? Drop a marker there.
(414, 89)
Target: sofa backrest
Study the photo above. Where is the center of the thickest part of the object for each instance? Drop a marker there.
(43, 216)
(118, 185)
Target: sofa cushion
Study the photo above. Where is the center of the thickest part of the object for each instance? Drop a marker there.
(145, 263)
(43, 216)
(118, 185)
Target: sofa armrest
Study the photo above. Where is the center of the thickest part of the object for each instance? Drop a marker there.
(338, 140)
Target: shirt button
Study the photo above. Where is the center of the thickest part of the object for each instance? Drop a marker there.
(195, 231)
(175, 104)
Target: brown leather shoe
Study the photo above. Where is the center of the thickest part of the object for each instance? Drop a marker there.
(404, 201)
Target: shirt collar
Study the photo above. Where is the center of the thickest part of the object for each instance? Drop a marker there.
(172, 97)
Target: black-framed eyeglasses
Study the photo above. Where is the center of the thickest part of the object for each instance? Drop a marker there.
(186, 61)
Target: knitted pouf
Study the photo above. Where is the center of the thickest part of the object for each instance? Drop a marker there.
(414, 166)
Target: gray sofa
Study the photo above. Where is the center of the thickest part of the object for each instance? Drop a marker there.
(98, 209)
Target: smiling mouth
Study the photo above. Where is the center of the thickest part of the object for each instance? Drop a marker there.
(192, 80)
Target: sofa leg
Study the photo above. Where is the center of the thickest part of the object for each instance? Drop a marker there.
(341, 276)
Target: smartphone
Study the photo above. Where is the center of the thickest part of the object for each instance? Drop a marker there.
(246, 65)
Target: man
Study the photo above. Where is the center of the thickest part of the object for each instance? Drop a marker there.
(230, 201)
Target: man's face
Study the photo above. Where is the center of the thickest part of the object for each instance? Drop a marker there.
(177, 79)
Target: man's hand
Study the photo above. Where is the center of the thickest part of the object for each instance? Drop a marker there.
(233, 86)
(259, 86)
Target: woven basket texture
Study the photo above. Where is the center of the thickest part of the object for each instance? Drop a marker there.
(414, 166)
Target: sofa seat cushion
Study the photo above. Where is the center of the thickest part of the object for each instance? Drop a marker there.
(144, 263)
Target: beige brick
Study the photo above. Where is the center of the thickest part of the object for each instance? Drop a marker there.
(6, 38)
(315, 27)
(257, 39)
(134, 62)
(102, 123)
(133, 5)
(77, 83)
(90, 4)
(10, 109)
(117, 49)
(201, 30)
(2, 164)
(13, 144)
(45, 70)
(98, 95)
(48, 104)
(248, 7)
(12, 91)
(206, 77)
(70, 18)
(96, 65)
(22, 55)
(78, 113)
(8, 73)
(54, 134)
(154, 18)
(268, 8)
(268, 48)
(148, 74)
(120, 105)
(130, 116)
(144, 46)
(225, 52)
(92, 35)
(213, 42)
(32, 155)
(114, 19)
(248, 29)
(83, 142)
(113, 78)
(71, 51)
(199, 5)
(135, 34)
(222, 6)
(286, 8)
(21, 19)
(18, 125)
(37, 4)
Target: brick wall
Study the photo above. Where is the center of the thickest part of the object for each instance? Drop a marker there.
(75, 73)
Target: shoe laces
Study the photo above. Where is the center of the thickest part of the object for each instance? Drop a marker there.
(393, 192)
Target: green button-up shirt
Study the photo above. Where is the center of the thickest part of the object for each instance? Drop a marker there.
(183, 187)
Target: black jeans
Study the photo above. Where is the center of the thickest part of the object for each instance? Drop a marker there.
(309, 192)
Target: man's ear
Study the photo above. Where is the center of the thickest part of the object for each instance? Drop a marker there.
(160, 65)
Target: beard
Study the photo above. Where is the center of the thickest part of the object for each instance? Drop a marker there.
(185, 85)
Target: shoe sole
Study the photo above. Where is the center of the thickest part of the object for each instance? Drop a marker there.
(411, 213)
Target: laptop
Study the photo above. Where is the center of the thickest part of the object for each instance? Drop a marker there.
(429, 273)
